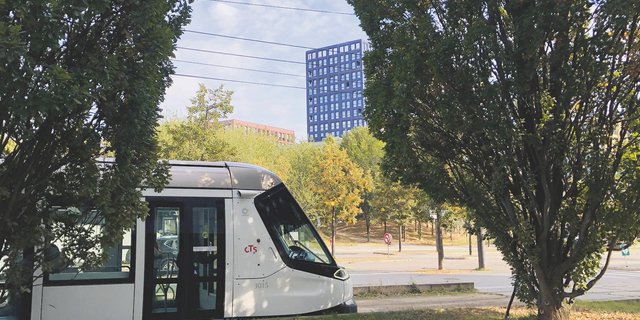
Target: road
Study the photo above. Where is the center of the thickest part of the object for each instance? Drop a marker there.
(369, 265)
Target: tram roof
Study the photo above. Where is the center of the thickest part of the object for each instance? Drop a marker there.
(218, 175)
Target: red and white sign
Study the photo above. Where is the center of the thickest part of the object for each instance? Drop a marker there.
(387, 238)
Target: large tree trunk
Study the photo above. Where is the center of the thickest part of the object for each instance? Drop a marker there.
(551, 308)
(367, 221)
(385, 226)
(420, 230)
(439, 246)
(470, 247)
(480, 249)
(399, 238)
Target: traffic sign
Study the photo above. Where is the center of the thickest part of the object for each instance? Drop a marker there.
(625, 252)
(387, 238)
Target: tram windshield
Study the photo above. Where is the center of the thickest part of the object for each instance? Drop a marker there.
(293, 230)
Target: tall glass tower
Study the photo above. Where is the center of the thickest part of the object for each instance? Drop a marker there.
(334, 90)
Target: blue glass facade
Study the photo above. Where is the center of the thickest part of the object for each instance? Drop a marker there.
(334, 90)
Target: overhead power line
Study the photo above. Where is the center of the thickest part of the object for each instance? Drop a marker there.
(247, 39)
(240, 55)
(239, 81)
(288, 8)
(237, 68)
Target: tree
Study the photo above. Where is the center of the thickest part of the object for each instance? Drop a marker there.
(258, 149)
(340, 186)
(391, 200)
(78, 80)
(210, 105)
(302, 181)
(367, 152)
(381, 209)
(423, 209)
(453, 219)
(523, 111)
(363, 149)
(404, 202)
(199, 136)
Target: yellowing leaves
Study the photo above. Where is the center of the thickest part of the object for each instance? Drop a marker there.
(340, 184)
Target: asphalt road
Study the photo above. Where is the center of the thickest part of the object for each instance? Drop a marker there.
(615, 285)
(369, 265)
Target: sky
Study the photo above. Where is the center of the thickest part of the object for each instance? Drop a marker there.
(275, 106)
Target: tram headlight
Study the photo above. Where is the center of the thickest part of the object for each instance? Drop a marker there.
(341, 274)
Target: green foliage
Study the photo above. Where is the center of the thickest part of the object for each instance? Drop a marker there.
(454, 216)
(79, 80)
(258, 149)
(424, 207)
(391, 200)
(304, 163)
(523, 111)
(363, 149)
(181, 139)
(367, 152)
(209, 105)
(199, 136)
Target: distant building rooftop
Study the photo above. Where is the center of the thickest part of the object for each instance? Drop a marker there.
(284, 136)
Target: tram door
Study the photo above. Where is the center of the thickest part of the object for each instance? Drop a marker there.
(184, 260)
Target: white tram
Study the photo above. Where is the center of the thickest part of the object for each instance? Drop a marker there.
(222, 240)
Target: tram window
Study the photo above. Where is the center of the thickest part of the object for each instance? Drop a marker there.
(116, 268)
(6, 308)
(12, 305)
(246, 178)
(4, 297)
(295, 234)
